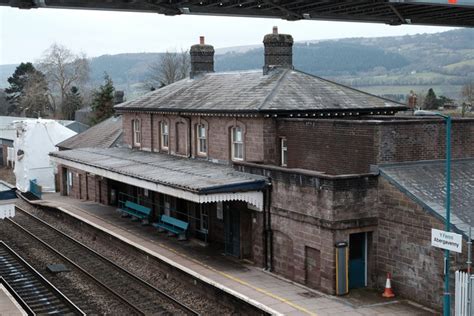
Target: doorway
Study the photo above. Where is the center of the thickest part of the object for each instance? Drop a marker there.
(232, 231)
(357, 260)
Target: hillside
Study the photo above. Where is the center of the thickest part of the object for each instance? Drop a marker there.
(384, 65)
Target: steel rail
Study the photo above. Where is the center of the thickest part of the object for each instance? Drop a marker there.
(140, 281)
(29, 287)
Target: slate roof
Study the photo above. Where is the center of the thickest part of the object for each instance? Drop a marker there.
(103, 135)
(425, 183)
(282, 90)
(197, 176)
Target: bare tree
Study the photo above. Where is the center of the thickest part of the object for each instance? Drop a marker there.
(35, 100)
(172, 66)
(63, 70)
(467, 93)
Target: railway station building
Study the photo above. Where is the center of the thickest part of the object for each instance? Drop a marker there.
(278, 166)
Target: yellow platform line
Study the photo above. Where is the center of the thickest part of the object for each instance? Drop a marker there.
(231, 277)
(236, 279)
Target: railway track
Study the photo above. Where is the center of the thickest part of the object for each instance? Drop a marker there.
(138, 294)
(36, 294)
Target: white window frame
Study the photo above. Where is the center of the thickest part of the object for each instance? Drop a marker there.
(137, 134)
(164, 133)
(201, 139)
(235, 143)
(283, 151)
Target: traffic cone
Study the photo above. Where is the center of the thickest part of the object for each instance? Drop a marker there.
(388, 288)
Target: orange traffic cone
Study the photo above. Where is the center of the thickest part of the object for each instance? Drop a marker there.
(388, 288)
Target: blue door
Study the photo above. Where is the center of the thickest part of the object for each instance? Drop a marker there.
(357, 260)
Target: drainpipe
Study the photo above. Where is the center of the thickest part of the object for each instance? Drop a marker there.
(269, 233)
(152, 131)
(264, 235)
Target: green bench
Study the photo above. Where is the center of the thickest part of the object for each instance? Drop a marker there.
(173, 225)
(137, 211)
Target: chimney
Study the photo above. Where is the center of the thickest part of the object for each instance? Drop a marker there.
(202, 58)
(278, 51)
(118, 97)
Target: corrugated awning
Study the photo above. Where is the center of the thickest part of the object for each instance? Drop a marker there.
(189, 179)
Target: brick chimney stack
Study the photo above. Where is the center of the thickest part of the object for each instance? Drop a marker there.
(202, 58)
(118, 97)
(278, 51)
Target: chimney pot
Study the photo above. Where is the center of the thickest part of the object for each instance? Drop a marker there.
(275, 30)
(201, 40)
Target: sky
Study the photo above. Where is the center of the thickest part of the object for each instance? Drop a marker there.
(26, 34)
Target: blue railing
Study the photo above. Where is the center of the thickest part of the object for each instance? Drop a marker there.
(35, 188)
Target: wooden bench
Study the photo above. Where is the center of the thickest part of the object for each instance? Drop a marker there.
(173, 225)
(137, 211)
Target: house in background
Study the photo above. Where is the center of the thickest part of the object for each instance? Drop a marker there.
(106, 134)
(276, 166)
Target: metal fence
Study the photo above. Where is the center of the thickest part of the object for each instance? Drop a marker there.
(464, 283)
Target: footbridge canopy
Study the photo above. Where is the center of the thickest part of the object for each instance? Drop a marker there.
(393, 12)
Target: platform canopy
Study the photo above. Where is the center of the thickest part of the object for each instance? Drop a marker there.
(193, 180)
(393, 12)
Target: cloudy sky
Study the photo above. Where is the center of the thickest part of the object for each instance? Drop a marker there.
(25, 34)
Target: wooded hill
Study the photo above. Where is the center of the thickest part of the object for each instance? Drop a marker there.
(385, 65)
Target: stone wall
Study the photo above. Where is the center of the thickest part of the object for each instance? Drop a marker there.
(404, 248)
(309, 214)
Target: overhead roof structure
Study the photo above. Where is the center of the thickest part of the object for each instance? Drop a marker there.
(280, 92)
(393, 12)
(193, 180)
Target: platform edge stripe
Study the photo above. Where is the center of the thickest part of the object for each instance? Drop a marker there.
(177, 265)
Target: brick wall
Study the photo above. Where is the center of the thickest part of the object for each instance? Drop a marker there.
(404, 248)
(85, 186)
(218, 129)
(351, 146)
(331, 146)
(416, 140)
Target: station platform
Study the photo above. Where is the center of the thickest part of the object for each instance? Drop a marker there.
(261, 288)
(8, 304)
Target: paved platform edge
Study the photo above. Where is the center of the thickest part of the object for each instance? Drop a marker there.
(167, 260)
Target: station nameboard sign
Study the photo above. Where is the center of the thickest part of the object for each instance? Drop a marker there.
(446, 240)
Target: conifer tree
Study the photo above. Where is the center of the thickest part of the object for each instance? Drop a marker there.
(431, 101)
(28, 92)
(103, 101)
(72, 103)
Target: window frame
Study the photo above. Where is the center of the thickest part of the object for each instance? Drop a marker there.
(283, 151)
(163, 134)
(200, 138)
(235, 142)
(136, 133)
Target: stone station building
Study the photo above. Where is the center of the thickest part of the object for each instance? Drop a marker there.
(278, 166)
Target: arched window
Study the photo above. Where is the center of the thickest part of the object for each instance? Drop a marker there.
(137, 134)
(237, 147)
(165, 135)
(201, 140)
